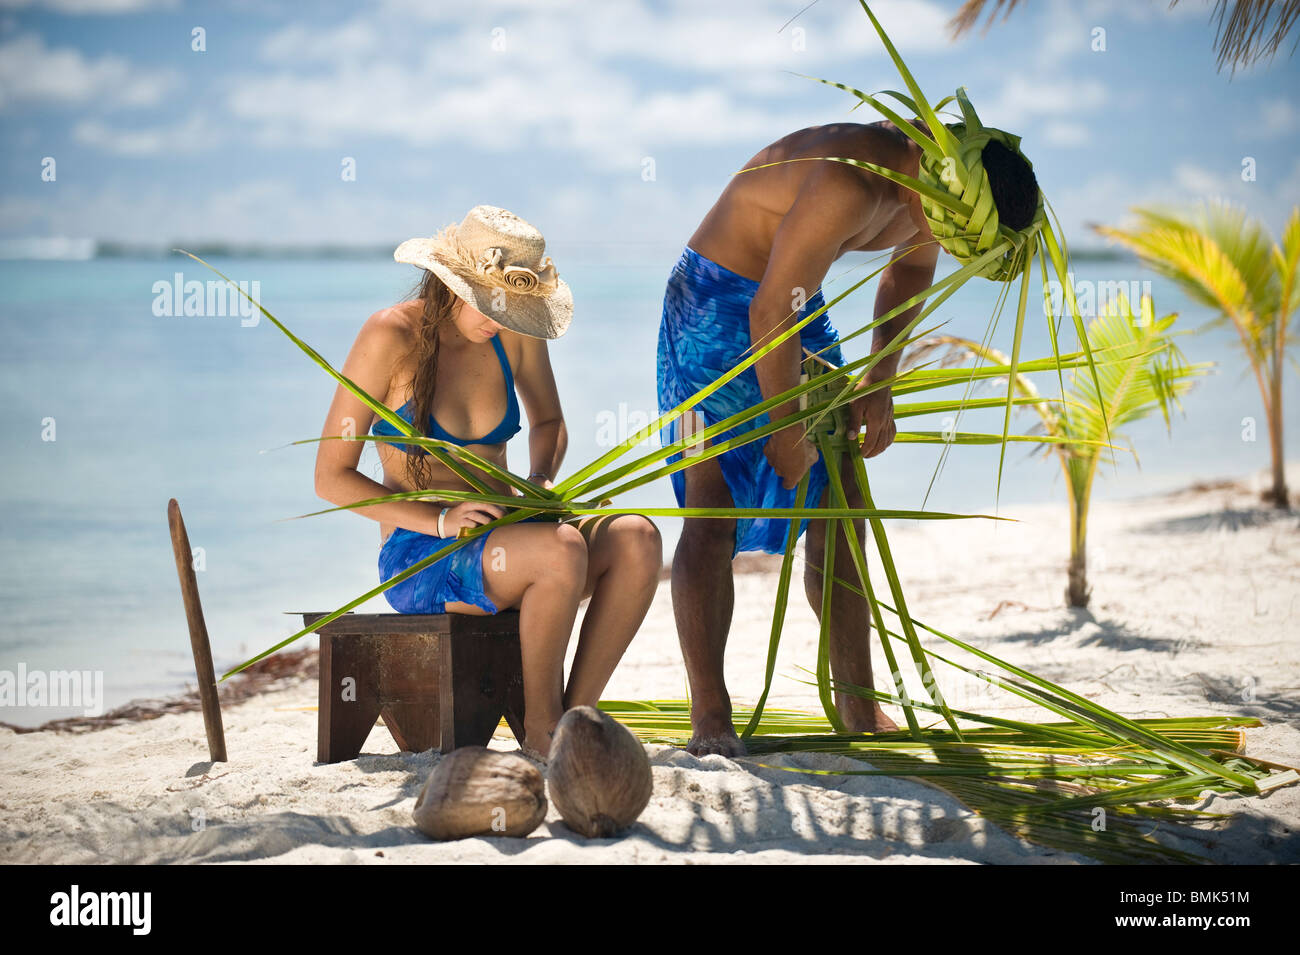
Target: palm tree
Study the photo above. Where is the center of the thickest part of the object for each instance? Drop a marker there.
(1141, 369)
(1230, 263)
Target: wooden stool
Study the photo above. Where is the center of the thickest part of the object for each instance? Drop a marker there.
(440, 680)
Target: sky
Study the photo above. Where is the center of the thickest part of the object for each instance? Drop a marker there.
(611, 123)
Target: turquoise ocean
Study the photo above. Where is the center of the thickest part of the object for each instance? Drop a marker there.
(115, 408)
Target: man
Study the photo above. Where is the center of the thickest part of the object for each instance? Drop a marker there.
(760, 254)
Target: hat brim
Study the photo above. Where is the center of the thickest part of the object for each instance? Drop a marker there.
(538, 316)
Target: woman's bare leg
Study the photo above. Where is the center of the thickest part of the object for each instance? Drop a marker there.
(540, 568)
(624, 557)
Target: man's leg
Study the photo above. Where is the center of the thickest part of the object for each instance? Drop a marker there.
(702, 602)
(850, 626)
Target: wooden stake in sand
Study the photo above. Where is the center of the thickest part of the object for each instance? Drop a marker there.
(198, 634)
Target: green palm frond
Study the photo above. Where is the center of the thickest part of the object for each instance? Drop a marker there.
(1286, 260)
(1247, 31)
(1147, 371)
(1040, 781)
(1139, 369)
(1218, 257)
(1227, 261)
(1251, 30)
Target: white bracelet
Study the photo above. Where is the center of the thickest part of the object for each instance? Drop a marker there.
(441, 514)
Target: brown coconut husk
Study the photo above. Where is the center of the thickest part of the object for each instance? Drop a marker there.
(474, 791)
(598, 773)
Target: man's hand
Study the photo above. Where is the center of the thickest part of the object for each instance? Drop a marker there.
(790, 454)
(876, 411)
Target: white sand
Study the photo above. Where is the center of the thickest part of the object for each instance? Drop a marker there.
(1193, 613)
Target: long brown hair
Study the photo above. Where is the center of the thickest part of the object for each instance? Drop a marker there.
(439, 307)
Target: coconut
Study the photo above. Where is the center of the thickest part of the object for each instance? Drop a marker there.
(598, 773)
(474, 791)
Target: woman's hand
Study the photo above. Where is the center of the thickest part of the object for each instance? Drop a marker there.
(469, 514)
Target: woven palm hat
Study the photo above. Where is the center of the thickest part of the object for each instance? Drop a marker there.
(496, 262)
(961, 174)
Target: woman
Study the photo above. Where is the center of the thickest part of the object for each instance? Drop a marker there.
(486, 282)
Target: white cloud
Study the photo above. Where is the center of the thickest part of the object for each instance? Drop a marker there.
(566, 76)
(1065, 33)
(301, 44)
(36, 74)
(195, 134)
(1270, 195)
(1277, 117)
(498, 104)
(1026, 99)
(614, 223)
(719, 36)
(1065, 134)
(1199, 181)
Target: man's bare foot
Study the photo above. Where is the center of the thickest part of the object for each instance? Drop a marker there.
(714, 736)
(867, 719)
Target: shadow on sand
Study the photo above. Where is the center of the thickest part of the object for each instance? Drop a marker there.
(1226, 519)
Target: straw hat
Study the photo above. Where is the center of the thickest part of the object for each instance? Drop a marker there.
(494, 261)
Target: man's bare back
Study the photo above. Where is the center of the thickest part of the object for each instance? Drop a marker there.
(739, 230)
(783, 226)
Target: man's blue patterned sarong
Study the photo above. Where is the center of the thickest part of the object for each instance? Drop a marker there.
(703, 334)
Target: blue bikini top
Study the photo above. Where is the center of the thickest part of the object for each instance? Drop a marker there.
(507, 429)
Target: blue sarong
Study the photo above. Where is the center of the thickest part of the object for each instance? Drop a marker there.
(458, 576)
(703, 334)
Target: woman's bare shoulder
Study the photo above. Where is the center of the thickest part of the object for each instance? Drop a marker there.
(380, 347)
(389, 328)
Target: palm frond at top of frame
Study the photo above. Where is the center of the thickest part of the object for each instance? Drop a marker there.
(1247, 31)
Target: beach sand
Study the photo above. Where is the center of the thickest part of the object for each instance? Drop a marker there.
(1193, 613)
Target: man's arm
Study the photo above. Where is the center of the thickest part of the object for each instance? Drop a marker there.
(910, 271)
